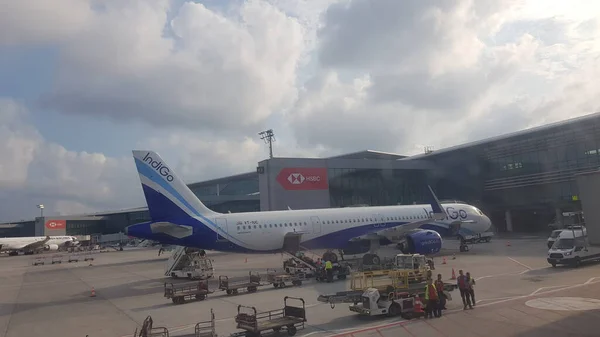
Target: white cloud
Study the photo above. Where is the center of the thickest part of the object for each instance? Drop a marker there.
(34, 171)
(328, 76)
(202, 70)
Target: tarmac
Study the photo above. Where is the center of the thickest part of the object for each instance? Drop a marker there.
(54, 300)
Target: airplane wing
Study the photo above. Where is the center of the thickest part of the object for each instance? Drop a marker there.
(33, 245)
(438, 214)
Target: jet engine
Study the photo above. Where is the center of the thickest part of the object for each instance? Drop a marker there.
(422, 242)
(51, 247)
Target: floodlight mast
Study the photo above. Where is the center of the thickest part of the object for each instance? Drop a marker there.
(269, 137)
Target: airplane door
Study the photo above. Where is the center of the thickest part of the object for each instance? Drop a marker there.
(222, 224)
(316, 223)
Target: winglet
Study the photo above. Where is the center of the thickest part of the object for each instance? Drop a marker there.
(438, 210)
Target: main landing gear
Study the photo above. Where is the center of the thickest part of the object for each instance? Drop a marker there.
(463, 244)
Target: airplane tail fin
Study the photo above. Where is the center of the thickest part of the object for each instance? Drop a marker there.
(436, 207)
(167, 196)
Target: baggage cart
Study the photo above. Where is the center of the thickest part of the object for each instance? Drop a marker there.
(39, 260)
(291, 318)
(56, 258)
(232, 285)
(147, 330)
(206, 328)
(88, 257)
(279, 280)
(73, 258)
(179, 292)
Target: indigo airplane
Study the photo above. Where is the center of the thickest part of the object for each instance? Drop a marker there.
(178, 217)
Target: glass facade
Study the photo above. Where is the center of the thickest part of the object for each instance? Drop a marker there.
(245, 186)
(531, 174)
(375, 187)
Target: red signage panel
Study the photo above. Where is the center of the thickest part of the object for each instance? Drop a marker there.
(303, 179)
(56, 224)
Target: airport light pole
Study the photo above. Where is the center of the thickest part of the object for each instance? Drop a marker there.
(269, 137)
(41, 207)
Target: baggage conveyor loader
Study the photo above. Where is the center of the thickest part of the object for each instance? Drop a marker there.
(385, 282)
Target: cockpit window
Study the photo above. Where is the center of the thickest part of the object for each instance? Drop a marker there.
(478, 211)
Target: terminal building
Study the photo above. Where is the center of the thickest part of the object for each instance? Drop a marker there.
(524, 181)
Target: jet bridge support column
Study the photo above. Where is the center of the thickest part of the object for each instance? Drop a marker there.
(509, 225)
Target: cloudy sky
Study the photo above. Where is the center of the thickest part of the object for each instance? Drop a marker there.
(83, 82)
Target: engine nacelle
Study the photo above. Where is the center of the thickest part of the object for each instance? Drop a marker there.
(423, 242)
(51, 247)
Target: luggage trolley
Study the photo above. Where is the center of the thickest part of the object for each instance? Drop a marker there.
(178, 293)
(206, 328)
(232, 286)
(148, 331)
(279, 280)
(290, 318)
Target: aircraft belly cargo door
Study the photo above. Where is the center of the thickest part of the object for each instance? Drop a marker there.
(222, 224)
(316, 223)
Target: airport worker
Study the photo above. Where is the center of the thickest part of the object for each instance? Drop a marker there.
(329, 271)
(439, 286)
(470, 287)
(432, 300)
(462, 282)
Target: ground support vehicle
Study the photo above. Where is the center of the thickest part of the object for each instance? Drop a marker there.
(206, 328)
(352, 296)
(280, 280)
(384, 283)
(179, 292)
(39, 260)
(404, 303)
(415, 264)
(73, 258)
(232, 286)
(147, 330)
(291, 318)
(340, 271)
(478, 238)
(572, 248)
(57, 258)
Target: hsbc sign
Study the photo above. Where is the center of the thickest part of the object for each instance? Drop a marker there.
(56, 224)
(303, 178)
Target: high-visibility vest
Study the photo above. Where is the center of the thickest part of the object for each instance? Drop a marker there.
(328, 265)
(430, 293)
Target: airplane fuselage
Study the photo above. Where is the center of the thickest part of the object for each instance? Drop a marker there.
(20, 243)
(330, 228)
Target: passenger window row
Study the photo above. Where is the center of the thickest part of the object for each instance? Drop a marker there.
(291, 224)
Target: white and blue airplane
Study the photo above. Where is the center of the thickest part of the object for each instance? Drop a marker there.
(178, 217)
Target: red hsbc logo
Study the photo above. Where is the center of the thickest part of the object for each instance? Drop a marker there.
(303, 178)
(56, 224)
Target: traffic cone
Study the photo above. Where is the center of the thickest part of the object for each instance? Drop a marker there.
(93, 294)
(444, 260)
(418, 307)
(453, 275)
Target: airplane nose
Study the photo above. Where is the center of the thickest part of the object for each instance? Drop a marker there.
(488, 223)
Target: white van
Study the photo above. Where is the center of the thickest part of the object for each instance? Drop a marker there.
(572, 248)
(555, 233)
